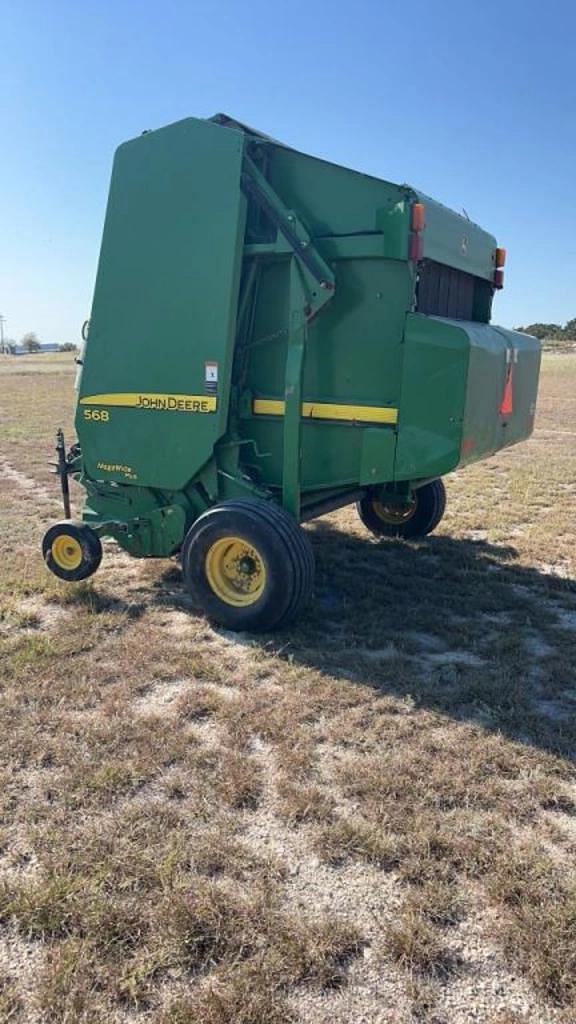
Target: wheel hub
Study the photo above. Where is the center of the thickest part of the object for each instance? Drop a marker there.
(66, 552)
(395, 514)
(236, 571)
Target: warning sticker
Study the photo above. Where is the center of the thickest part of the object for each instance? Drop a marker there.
(211, 377)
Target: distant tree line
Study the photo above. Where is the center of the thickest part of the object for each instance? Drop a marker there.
(31, 343)
(552, 332)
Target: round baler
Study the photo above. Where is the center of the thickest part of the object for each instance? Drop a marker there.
(274, 337)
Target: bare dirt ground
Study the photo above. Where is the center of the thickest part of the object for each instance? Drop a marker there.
(369, 817)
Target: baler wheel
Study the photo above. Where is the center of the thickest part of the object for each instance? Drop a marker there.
(416, 518)
(71, 550)
(248, 564)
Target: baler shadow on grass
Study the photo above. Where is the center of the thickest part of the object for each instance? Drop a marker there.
(455, 625)
(98, 600)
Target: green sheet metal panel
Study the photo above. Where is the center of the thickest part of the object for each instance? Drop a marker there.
(455, 241)
(432, 399)
(495, 354)
(377, 456)
(164, 306)
(451, 406)
(527, 354)
(481, 431)
(332, 200)
(353, 357)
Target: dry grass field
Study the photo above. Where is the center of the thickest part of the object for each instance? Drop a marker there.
(368, 818)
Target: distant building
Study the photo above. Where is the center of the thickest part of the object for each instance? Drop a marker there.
(48, 347)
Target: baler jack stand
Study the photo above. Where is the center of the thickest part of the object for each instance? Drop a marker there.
(62, 471)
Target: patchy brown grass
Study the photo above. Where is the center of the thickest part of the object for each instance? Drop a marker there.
(245, 994)
(372, 812)
(417, 946)
(538, 931)
(10, 1002)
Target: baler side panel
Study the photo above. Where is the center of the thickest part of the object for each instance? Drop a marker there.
(353, 351)
(334, 200)
(432, 398)
(353, 358)
(164, 306)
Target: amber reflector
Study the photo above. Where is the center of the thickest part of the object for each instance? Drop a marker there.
(418, 217)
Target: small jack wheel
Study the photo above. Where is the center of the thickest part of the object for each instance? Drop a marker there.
(416, 517)
(72, 551)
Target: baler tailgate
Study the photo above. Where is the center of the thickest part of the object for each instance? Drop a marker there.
(155, 384)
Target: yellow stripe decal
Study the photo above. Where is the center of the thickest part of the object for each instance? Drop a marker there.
(164, 403)
(329, 411)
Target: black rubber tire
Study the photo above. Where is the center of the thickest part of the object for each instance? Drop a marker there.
(284, 548)
(430, 507)
(89, 542)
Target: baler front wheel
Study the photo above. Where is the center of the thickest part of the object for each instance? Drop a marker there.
(72, 551)
(415, 518)
(248, 564)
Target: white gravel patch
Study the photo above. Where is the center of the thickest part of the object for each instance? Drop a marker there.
(27, 483)
(161, 696)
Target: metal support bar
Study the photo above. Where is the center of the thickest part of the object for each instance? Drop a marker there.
(317, 273)
(293, 394)
(327, 505)
(311, 287)
(62, 471)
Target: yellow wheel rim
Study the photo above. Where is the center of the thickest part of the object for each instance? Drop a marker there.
(236, 571)
(67, 552)
(395, 515)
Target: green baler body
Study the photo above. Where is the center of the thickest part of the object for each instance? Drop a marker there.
(255, 332)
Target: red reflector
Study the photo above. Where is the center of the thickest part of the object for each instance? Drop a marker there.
(416, 247)
(498, 278)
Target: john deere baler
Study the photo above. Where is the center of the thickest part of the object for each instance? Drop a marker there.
(272, 337)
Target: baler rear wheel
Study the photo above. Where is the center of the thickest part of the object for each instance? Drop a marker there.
(71, 550)
(416, 518)
(248, 564)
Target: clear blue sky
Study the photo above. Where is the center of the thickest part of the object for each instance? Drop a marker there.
(474, 103)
